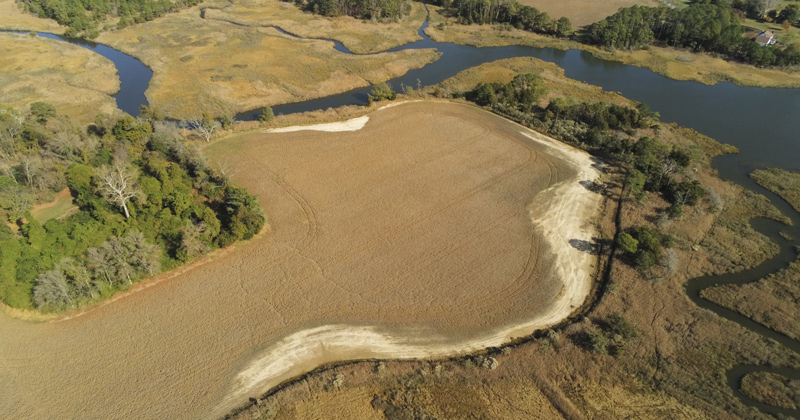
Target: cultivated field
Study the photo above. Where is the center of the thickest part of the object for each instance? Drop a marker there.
(77, 81)
(584, 12)
(424, 240)
(218, 67)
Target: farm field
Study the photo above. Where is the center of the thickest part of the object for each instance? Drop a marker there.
(422, 240)
(584, 12)
(78, 82)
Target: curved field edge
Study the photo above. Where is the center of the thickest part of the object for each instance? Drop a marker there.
(192, 347)
(569, 206)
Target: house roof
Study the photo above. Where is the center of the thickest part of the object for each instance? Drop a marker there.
(765, 37)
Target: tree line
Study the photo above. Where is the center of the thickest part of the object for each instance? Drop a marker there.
(146, 201)
(83, 17)
(361, 9)
(705, 25)
(506, 11)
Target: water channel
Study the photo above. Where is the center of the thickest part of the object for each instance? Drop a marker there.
(764, 123)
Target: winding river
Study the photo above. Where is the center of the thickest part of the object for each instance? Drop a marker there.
(762, 122)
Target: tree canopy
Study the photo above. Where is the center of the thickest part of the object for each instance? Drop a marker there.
(146, 201)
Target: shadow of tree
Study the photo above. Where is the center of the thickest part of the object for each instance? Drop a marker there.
(585, 246)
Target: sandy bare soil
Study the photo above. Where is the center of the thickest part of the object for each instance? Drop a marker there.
(396, 240)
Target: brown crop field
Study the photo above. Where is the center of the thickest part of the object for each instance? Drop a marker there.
(435, 228)
(77, 81)
(584, 12)
(203, 65)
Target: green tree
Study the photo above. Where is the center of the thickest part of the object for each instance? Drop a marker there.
(381, 91)
(267, 115)
(627, 243)
(42, 111)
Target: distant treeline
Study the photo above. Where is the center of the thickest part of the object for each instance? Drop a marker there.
(361, 9)
(705, 25)
(146, 201)
(506, 11)
(84, 16)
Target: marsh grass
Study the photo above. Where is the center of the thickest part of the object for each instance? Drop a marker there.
(668, 62)
(77, 81)
(217, 67)
(359, 36)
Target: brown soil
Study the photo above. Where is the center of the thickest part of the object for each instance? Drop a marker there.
(422, 232)
(584, 12)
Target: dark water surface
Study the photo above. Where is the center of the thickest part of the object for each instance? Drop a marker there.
(764, 123)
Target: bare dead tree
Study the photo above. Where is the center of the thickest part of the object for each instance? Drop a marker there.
(192, 241)
(7, 167)
(31, 166)
(118, 184)
(51, 290)
(204, 127)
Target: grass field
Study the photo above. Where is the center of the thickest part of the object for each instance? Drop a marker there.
(59, 207)
(426, 233)
(584, 12)
(357, 35)
(12, 17)
(77, 81)
(218, 67)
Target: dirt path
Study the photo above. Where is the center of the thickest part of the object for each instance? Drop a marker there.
(396, 240)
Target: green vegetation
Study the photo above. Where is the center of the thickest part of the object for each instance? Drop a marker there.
(784, 183)
(708, 25)
(381, 92)
(362, 9)
(509, 12)
(606, 337)
(147, 201)
(84, 16)
(649, 246)
(266, 115)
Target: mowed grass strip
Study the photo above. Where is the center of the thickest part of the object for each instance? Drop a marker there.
(77, 81)
(218, 67)
(61, 205)
(418, 223)
(357, 35)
